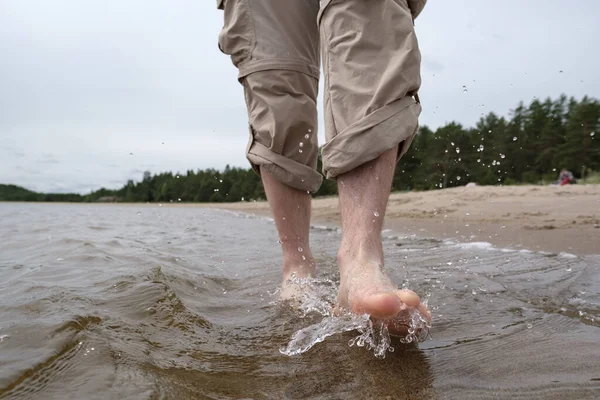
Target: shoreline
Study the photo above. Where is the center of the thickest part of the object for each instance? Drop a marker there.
(555, 219)
(551, 219)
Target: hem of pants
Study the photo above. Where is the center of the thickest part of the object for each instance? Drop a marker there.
(283, 169)
(391, 126)
(280, 64)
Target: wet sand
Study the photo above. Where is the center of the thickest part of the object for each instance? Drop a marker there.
(540, 218)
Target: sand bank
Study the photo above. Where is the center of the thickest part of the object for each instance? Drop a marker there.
(541, 218)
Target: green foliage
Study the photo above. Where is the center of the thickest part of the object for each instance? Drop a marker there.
(592, 178)
(532, 146)
(17, 193)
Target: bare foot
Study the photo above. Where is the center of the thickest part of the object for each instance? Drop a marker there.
(366, 289)
(291, 290)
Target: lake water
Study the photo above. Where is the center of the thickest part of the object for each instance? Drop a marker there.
(163, 302)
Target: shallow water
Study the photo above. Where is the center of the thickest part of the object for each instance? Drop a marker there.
(149, 302)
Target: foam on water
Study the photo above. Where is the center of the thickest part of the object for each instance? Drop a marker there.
(475, 245)
(567, 255)
(318, 297)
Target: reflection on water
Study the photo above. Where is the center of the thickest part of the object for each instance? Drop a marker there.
(146, 302)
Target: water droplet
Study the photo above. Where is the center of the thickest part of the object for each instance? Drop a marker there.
(568, 269)
(560, 72)
(529, 326)
(160, 204)
(299, 150)
(306, 136)
(592, 133)
(458, 178)
(179, 199)
(554, 169)
(300, 249)
(310, 131)
(139, 213)
(514, 138)
(301, 144)
(457, 150)
(303, 258)
(464, 89)
(216, 190)
(130, 154)
(479, 160)
(376, 214)
(502, 156)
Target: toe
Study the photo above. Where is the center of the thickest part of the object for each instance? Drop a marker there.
(424, 312)
(409, 298)
(380, 305)
(413, 300)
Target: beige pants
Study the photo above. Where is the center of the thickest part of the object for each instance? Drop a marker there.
(371, 64)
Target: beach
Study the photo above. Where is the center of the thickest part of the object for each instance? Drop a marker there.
(540, 218)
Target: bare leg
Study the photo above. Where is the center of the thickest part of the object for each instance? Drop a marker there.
(364, 287)
(291, 211)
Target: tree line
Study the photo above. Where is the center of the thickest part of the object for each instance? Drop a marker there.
(530, 146)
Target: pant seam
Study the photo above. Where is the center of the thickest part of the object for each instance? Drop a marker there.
(254, 38)
(327, 57)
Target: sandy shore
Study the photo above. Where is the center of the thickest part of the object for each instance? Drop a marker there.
(542, 218)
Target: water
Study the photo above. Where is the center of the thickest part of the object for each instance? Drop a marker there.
(149, 302)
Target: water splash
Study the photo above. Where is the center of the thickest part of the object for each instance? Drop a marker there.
(319, 296)
(304, 339)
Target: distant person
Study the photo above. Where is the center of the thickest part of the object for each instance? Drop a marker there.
(371, 64)
(565, 177)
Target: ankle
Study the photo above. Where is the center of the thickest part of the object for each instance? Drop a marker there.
(360, 253)
(302, 268)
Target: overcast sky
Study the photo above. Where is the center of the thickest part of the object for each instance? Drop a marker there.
(94, 92)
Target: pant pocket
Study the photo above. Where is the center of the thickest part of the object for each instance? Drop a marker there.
(237, 37)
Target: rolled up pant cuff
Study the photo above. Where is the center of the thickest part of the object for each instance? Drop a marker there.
(394, 125)
(283, 169)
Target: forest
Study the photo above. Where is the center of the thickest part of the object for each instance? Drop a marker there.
(531, 146)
